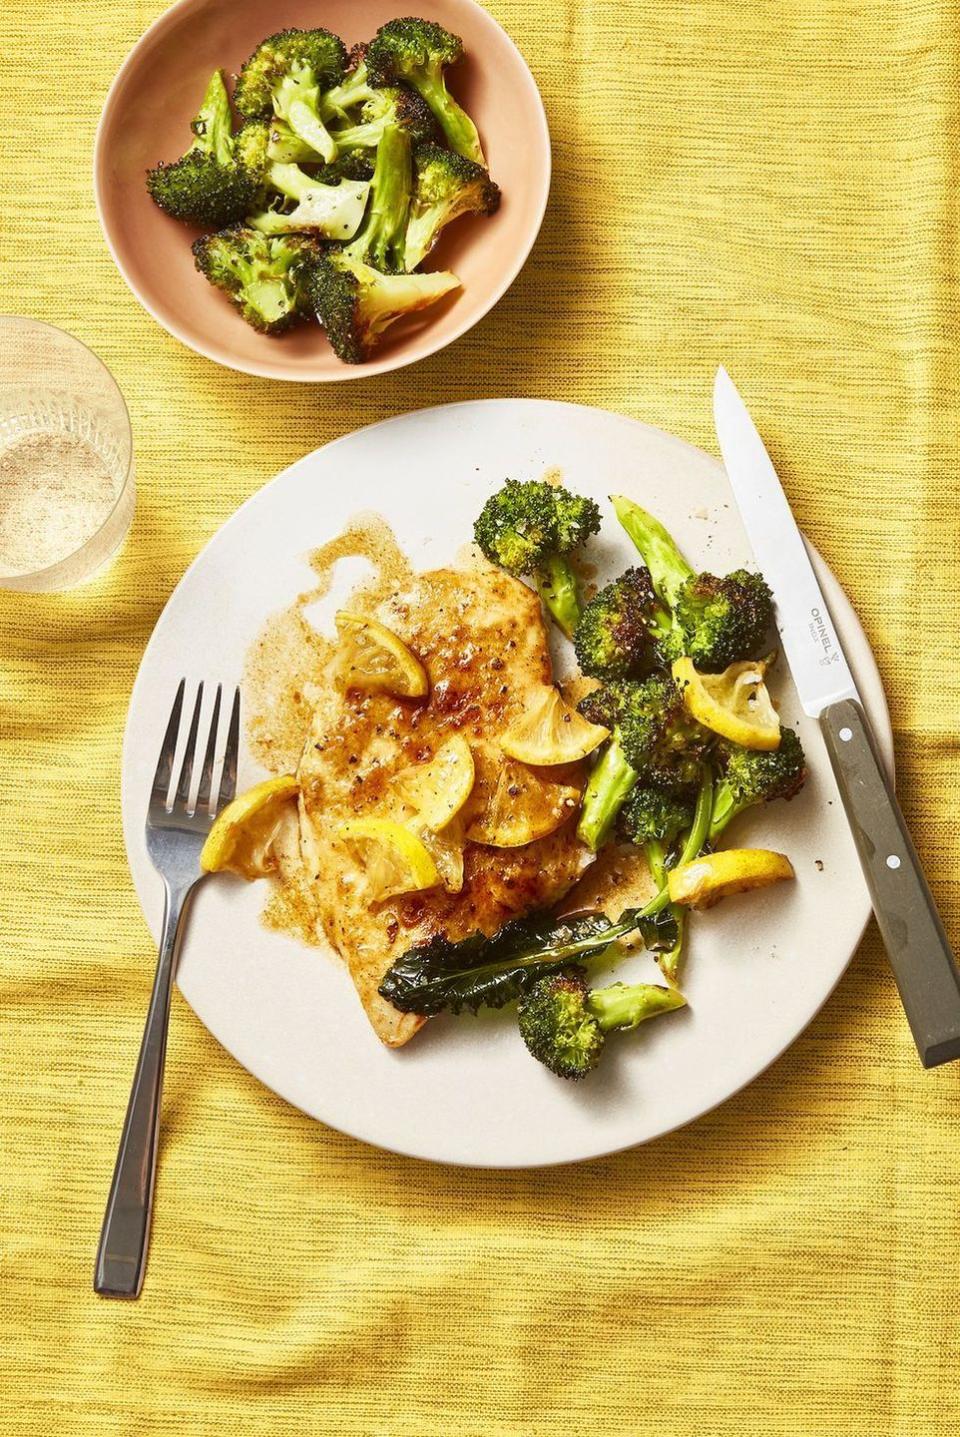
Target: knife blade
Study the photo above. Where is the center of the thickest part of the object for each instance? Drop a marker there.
(923, 964)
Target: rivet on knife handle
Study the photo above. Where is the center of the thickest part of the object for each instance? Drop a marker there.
(919, 953)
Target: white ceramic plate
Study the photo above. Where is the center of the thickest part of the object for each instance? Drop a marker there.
(465, 1090)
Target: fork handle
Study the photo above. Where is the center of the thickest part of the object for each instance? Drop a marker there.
(125, 1236)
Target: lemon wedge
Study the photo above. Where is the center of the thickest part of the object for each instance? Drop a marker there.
(550, 731)
(705, 880)
(392, 858)
(242, 836)
(734, 704)
(373, 658)
(512, 805)
(438, 789)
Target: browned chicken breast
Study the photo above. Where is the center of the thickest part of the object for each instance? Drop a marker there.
(480, 635)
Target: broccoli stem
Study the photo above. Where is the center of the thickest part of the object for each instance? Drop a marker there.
(670, 962)
(391, 189)
(213, 126)
(626, 1005)
(669, 570)
(607, 790)
(656, 860)
(725, 810)
(308, 127)
(291, 181)
(558, 588)
(456, 124)
(693, 842)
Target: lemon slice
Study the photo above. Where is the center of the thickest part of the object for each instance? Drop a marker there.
(439, 789)
(704, 881)
(446, 850)
(549, 731)
(512, 805)
(734, 704)
(392, 858)
(374, 659)
(241, 839)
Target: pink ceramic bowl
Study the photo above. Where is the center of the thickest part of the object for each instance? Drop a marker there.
(146, 119)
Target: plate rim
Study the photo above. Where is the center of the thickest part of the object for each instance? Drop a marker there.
(880, 717)
(370, 368)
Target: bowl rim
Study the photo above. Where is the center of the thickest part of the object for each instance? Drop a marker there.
(265, 370)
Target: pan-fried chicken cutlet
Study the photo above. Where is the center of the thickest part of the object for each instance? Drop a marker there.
(480, 636)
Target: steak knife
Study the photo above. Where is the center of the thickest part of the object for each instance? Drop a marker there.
(924, 967)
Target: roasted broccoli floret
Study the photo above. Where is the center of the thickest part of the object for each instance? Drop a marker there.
(530, 529)
(654, 820)
(285, 75)
(318, 51)
(355, 303)
(565, 1025)
(395, 106)
(654, 741)
(752, 776)
(355, 88)
(417, 51)
(446, 187)
(210, 184)
(620, 628)
(263, 276)
(331, 210)
(716, 621)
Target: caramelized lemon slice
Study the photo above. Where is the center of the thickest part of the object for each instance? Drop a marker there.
(439, 788)
(241, 838)
(704, 881)
(373, 658)
(512, 805)
(446, 850)
(550, 731)
(734, 704)
(392, 858)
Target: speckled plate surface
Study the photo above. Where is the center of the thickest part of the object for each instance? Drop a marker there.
(465, 1090)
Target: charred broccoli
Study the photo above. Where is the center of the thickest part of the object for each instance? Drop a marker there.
(617, 636)
(714, 621)
(211, 184)
(263, 276)
(654, 820)
(565, 1025)
(654, 741)
(418, 51)
(284, 76)
(752, 776)
(447, 186)
(529, 529)
(396, 106)
(318, 51)
(355, 303)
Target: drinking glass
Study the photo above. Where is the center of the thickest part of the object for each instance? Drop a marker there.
(67, 489)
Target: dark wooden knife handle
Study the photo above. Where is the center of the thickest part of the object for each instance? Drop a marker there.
(919, 953)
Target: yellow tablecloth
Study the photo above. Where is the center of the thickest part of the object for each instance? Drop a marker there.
(772, 184)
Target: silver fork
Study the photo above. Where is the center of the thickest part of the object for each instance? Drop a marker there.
(176, 830)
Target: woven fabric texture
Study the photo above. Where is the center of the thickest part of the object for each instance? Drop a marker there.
(770, 184)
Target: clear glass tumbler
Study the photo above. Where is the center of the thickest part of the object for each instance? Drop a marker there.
(67, 489)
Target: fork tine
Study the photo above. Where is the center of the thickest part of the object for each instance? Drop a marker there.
(186, 771)
(206, 773)
(161, 779)
(228, 779)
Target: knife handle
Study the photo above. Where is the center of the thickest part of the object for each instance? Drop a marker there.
(919, 953)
